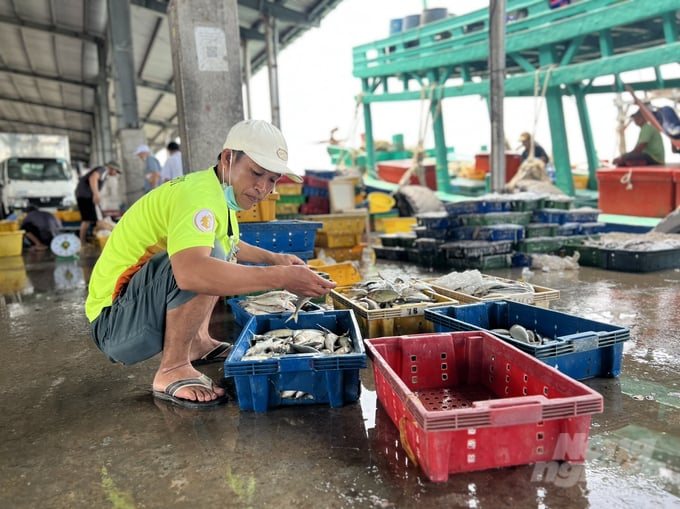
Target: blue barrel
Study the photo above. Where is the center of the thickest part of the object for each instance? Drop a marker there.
(396, 25)
(411, 21)
(430, 15)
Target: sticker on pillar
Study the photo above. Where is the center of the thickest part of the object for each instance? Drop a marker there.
(211, 49)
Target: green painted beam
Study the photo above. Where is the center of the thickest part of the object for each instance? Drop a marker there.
(523, 84)
(601, 15)
(587, 133)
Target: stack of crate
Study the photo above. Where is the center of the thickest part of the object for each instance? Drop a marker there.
(282, 236)
(291, 198)
(341, 235)
(316, 190)
(260, 212)
(555, 223)
(479, 233)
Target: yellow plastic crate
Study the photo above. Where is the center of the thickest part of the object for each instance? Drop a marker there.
(263, 211)
(68, 216)
(346, 222)
(11, 243)
(344, 273)
(287, 208)
(580, 180)
(13, 277)
(9, 226)
(289, 189)
(541, 297)
(341, 254)
(397, 224)
(394, 321)
(337, 239)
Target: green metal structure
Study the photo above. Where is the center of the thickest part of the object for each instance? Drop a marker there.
(566, 47)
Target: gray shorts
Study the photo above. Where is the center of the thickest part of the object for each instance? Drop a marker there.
(133, 327)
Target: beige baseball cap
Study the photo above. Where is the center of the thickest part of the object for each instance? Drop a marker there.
(263, 143)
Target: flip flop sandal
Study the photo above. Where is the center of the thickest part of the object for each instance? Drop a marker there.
(217, 354)
(168, 394)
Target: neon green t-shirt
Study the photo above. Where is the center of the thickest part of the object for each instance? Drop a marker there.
(188, 211)
(652, 138)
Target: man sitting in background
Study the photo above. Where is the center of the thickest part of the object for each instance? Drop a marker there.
(41, 227)
(649, 148)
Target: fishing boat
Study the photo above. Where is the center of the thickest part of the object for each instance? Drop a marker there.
(551, 50)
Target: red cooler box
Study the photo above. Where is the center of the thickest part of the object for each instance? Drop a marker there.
(512, 163)
(648, 191)
(392, 171)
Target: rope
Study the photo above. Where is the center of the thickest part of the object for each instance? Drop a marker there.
(538, 103)
(627, 179)
(419, 151)
(340, 163)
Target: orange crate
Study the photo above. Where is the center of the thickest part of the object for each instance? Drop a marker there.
(263, 211)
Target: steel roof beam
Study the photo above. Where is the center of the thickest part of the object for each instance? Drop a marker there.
(45, 105)
(277, 11)
(47, 126)
(83, 36)
(50, 77)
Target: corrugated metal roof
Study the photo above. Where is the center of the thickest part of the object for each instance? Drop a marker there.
(49, 63)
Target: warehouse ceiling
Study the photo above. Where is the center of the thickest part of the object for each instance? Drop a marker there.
(49, 62)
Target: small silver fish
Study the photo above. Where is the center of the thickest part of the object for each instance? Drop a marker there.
(301, 301)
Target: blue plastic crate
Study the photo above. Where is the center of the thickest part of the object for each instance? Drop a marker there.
(315, 191)
(322, 174)
(582, 215)
(241, 316)
(480, 205)
(331, 379)
(287, 236)
(554, 216)
(422, 232)
(570, 228)
(434, 220)
(513, 232)
(579, 347)
(591, 228)
(475, 248)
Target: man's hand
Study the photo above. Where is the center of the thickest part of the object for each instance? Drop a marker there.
(288, 259)
(301, 280)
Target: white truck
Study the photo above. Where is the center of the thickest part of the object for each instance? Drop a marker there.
(35, 170)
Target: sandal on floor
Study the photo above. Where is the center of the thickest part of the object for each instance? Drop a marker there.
(203, 381)
(217, 354)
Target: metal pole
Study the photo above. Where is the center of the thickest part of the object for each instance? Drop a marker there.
(497, 9)
(271, 39)
(247, 74)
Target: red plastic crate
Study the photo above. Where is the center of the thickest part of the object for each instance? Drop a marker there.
(465, 401)
(392, 171)
(652, 193)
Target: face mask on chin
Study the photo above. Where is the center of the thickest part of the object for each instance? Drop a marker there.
(229, 194)
(230, 197)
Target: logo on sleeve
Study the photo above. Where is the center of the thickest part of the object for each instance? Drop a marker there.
(204, 220)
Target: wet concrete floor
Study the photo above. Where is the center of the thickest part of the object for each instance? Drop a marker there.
(79, 432)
